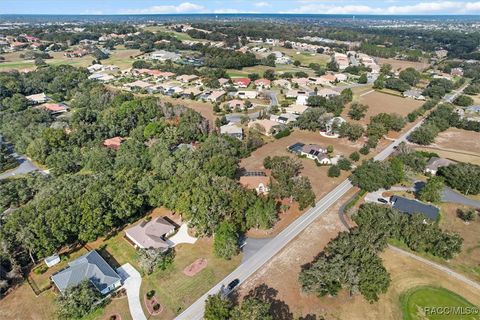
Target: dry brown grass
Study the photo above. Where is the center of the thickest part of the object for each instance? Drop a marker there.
(459, 139)
(22, 304)
(204, 108)
(321, 183)
(281, 274)
(400, 64)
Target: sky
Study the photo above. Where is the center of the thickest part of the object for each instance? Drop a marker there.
(384, 7)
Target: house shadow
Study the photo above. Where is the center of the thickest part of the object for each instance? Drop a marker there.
(279, 310)
(102, 250)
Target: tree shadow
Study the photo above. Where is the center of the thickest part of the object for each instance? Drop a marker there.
(279, 310)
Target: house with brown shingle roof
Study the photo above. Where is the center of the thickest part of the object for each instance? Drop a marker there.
(152, 234)
(113, 143)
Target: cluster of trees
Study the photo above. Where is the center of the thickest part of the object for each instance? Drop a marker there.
(151, 259)
(333, 104)
(442, 118)
(381, 124)
(373, 175)
(352, 131)
(228, 59)
(428, 105)
(462, 177)
(351, 259)
(288, 183)
(357, 111)
(221, 308)
(437, 88)
(78, 301)
(463, 100)
(7, 161)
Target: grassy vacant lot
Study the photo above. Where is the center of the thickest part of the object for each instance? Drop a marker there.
(321, 183)
(457, 144)
(304, 57)
(175, 290)
(204, 108)
(415, 300)
(378, 102)
(234, 73)
(401, 64)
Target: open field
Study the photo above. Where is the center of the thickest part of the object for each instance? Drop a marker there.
(378, 102)
(415, 300)
(281, 274)
(321, 183)
(244, 72)
(456, 144)
(401, 64)
(304, 57)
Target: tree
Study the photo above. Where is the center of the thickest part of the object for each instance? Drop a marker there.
(78, 301)
(334, 171)
(269, 74)
(297, 63)
(7, 161)
(357, 111)
(217, 308)
(410, 76)
(373, 175)
(363, 78)
(352, 131)
(432, 191)
(424, 135)
(462, 177)
(253, 76)
(39, 62)
(302, 192)
(225, 244)
(262, 214)
(252, 309)
(463, 100)
(151, 259)
(344, 164)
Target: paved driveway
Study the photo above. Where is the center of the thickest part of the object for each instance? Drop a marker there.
(449, 195)
(132, 280)
(181, 236)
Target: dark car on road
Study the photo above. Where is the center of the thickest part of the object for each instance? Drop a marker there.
(382, 200)
(233, 284)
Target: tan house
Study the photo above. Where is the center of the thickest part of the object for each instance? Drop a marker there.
(113, 143)
(265, 126)
(151, 234)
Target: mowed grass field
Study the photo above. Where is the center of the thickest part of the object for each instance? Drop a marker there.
(415, 303)
(244, 72)
(401, 64)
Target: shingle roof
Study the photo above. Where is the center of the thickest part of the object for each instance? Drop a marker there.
(90, 266)
(149, 234)
(412, 206)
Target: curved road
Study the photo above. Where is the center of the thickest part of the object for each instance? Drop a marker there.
(245, 270)
(448, 271)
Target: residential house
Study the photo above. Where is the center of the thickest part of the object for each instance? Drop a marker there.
(282, 83)
(76, 53)
(241, 82)
(191, 92)
(256, 180)
(232, 130)
(296, 109)
(435, 163)
(215, 96)
(284, 118)
(163, 55)
(151, 235)
(414, 94)
(341, 77)
(411, 207)
(456, 72)
(92, 267)
(54, 108)
(301, 81)
(235, 103)
(101, 77)
(293, 94)
(223, 82)
(247, 94)
(262, 83)
(315, 152)
(341, 59)
(138, 84)
(327, 93)
(301, 100)
(38, 98)
(187, 78)
(265, 126)
(113, 143)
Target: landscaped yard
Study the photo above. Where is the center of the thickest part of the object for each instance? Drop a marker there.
(176, 291)
(415, 300)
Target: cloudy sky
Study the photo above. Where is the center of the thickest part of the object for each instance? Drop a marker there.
(239, 6)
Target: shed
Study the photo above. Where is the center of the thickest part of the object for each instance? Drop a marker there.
(52, 260)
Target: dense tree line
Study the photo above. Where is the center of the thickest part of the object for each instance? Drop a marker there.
(462, 176)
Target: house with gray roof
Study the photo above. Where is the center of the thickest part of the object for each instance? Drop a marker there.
(92, 267)
(435, 163)
(152, 234)
(411, 207)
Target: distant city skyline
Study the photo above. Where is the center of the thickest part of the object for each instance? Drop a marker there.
(360, 7)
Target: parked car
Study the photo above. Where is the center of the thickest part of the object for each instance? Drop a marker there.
(382, 200)
(233, 284)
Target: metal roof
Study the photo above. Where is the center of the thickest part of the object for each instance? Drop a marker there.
(412, 206)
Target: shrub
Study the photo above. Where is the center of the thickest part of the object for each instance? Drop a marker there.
(156, 307)
(41, 269)
(466, 215)
(284, 133)
(344, 164)
(364, 150)
(354, 156)
(150, 294)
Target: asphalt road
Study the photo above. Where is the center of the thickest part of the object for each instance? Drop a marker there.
(25, 166)
(449, 195)
(245, 270)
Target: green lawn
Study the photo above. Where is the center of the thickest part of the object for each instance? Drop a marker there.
(17, 64)
(175, 290)
(415, 301)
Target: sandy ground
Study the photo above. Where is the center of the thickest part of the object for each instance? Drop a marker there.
(459, 139)
(400, 64)
(279, 277)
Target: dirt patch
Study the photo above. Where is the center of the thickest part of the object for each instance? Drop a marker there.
(401, 64)
(197, 266)
(281, 274)
(204, 108)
